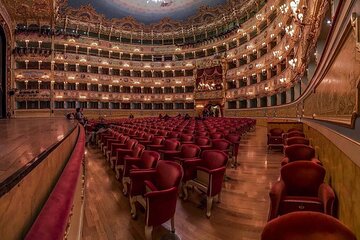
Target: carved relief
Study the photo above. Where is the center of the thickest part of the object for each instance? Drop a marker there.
(335, 98)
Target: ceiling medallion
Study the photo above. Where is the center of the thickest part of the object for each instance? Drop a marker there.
(163, 3)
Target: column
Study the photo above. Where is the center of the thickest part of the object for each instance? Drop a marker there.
(297, 90)
(268, 101)
(278, 99)
(288, 95)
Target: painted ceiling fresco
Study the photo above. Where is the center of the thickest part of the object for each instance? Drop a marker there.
(147, 11)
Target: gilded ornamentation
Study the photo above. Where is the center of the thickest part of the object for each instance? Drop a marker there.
(335, 97)
(204, 15)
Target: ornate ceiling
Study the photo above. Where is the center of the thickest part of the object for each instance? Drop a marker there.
(146, 11)
(40, 10)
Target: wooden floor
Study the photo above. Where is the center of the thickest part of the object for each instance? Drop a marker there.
(21, 140)
(241, 214)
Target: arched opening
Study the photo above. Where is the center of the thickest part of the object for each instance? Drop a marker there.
(2, 73)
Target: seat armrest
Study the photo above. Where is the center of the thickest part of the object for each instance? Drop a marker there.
(192, 163)
(276, 193)
(285, 161)
(150, 187)
(327, 197)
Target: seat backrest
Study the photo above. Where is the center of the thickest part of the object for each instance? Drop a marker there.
(171, 144)
(306, 225)
(202, 133)
(186, 137)
(190, 151)
(299, 152)
(173, 135)
(188, 131)
(137, 150)
(149, 159)
(148, 136)
(168, 174)
(132, 132)
(157, 140)
(123, 139)
(221, 144)
(297, 140)
(140, 134)
(276, 132)
(153, 131)
(302, 178)
(294, 130)
(216, 135)
(234, 138)
(202, 141)
(295, 134)
(163, 133)
(212, 159)
(131, 143)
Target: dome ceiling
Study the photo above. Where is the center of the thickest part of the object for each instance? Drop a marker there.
(146, 11)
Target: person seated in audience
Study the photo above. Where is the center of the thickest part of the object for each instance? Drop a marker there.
(99, 127)
(166, 117)
(187, 116)
(131, 116)
(160, 116)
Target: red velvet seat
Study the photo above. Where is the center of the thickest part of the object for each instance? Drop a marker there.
(301, 188)
(298, 152)
(171, 148)
(122, 150)
(107, 141)
(202, 133)
(146, 138)
(275, 138)
(119, 143)
(139, 135)
(136, 152)
(186, 138)
(235, 141)
(306, 226)
(294, 130)
(110, 134)
(156, 143)
(296, 140)
(206, 175)
(148, 159)
(216, 135)
(173, 135)
(157, 191)
(169, 144)
(296, 133)
(156, 140)
(220, 144)
(163, 133)
(187, 152)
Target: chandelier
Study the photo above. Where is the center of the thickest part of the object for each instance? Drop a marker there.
(163, 3)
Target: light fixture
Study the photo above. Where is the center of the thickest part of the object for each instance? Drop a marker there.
(293, 62)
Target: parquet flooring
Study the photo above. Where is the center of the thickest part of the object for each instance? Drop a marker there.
(241, 214)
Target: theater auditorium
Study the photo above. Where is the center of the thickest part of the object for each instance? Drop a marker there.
(180, 119)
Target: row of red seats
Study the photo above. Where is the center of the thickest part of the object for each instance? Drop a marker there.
(189, 153)
(300, 193)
